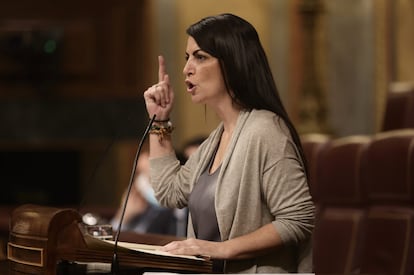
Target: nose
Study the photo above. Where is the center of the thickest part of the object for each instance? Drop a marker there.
(188, 68)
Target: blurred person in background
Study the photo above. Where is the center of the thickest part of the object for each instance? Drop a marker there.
(143, 214)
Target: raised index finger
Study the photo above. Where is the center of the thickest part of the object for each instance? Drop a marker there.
(161, 68)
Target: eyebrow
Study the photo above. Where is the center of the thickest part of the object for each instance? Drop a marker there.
(196, 51)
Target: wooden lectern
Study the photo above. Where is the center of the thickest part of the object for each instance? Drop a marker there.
(41, 237)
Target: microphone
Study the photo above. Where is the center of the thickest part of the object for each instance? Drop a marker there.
(115, 262)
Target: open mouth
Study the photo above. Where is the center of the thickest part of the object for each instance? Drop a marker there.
(190, 86)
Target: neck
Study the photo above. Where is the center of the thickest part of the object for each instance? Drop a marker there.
(228, 114)
(229, 119)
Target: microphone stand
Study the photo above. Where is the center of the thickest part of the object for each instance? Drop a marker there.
(115, 262)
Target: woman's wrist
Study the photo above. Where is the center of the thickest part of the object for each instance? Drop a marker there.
(227, 250)
(161, 128)
(165, 120)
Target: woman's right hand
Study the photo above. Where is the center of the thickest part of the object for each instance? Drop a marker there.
(159, 98)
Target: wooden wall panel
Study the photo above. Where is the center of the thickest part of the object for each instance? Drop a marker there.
(71, 48)
(70, 76)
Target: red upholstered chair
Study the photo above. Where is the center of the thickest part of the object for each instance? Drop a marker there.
(388, 178)
(340, 224)
(339, 171)
(337, 239)
(313, 145)
(409, 119)
(389, 242)
(399, 109)
(388, 168)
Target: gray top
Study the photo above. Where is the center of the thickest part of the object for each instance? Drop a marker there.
(203, 213)
(201, 206)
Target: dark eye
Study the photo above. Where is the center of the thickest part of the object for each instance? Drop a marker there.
(186, 57)
(200, 57)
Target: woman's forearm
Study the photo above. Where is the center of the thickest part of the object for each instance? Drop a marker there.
(160, 148)
(250, 245)
(253, 244)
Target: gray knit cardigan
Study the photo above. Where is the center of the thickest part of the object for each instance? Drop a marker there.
(261, 181)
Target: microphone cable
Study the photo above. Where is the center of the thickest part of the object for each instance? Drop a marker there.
(115, 262)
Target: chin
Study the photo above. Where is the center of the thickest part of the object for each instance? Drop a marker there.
(196, 100)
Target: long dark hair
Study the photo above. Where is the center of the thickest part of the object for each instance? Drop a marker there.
(246, 71)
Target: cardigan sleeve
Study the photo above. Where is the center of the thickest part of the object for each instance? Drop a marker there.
(287, 194)
(173, 182)
(170, 181)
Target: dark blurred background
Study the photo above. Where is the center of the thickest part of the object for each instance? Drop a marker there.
(71, 78)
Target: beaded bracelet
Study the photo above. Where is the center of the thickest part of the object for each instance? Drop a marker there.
(161, 120)
(162, 130)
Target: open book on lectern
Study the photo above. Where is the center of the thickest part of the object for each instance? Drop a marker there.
(126, 247)
(148, 256)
